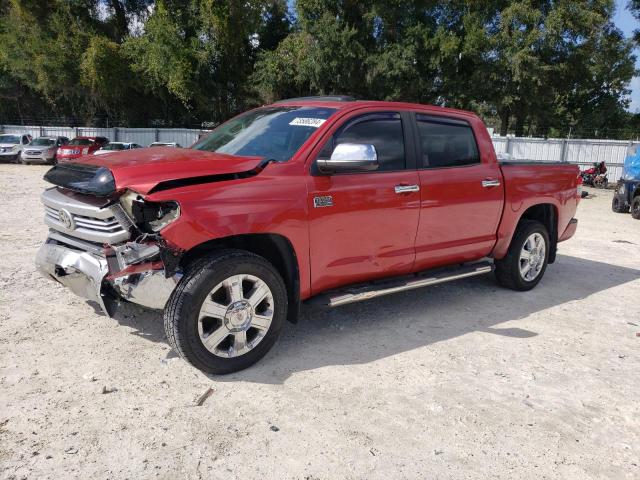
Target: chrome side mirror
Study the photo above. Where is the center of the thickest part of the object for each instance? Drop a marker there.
(350, 157)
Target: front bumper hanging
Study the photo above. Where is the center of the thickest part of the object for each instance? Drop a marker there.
(87, 274)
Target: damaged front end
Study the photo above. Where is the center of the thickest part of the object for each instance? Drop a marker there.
(107, 247)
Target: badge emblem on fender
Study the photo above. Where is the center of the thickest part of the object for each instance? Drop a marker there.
(326, 201)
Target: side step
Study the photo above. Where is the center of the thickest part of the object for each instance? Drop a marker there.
(358, 293)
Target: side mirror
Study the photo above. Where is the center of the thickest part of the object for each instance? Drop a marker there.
(350, 157)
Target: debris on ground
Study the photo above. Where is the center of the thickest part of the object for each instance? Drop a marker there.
(203, 398)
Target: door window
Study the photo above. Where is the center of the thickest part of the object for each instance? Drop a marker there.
(446, 142)
(382, 130)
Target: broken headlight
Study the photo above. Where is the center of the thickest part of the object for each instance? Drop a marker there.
(150, 217)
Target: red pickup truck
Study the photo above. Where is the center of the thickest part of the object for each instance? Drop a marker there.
(328, 200)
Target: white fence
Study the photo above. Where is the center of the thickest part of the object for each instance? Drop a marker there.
(141, 136)
(580, 152)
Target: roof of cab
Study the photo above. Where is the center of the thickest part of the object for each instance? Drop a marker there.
(345, 102)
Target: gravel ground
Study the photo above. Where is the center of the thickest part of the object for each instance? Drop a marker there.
(464, 380)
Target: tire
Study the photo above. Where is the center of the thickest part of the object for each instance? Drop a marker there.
(635, 207)
(618, 206)
(508, 272)
(188, 328)
(601, 182)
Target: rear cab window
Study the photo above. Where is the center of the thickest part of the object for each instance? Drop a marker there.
(445, 142)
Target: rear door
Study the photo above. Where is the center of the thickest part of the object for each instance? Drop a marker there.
(462, 193)
(363, 225)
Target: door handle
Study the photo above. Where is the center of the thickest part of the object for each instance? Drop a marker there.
(407, 188)
(489, 183)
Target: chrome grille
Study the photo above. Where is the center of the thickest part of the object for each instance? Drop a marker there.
(88, 219)
(34, 152)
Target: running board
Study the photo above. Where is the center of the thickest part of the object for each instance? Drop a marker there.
(359, 293)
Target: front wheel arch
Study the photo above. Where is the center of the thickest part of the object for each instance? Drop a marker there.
(275, 248)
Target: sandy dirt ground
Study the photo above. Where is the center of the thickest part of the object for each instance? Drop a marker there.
(464, 380)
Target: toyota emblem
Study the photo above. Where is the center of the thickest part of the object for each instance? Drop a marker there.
(66, 219)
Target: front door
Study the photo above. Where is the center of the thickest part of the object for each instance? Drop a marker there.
(363, 225)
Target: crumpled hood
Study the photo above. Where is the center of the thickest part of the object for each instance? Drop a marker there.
(145, 168)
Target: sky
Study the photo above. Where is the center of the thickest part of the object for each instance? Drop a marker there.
(625, 22)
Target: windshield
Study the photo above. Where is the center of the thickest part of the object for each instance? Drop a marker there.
(80, 141)
(271, 132)
(9, 139)
(114, 146)
(42, 142)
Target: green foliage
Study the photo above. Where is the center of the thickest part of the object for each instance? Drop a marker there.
(536, 67)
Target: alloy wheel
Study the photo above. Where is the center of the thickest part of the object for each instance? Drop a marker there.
(532, 257)
(235, 316)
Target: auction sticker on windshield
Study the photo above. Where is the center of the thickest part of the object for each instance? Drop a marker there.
(307, 122)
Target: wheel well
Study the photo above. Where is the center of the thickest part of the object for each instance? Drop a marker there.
(546, 214)
(275, 248)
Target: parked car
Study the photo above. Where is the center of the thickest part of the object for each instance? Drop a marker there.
(165, 144)
(11, 146)
(80, 146)
(116, 147)
(42, 150)
(627, 198)
(326, 200)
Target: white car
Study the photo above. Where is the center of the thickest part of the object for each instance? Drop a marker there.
(11, 146)
(165, 144)
(42, 149)
(116, 147)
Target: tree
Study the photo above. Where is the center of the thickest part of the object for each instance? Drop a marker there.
(531, 66)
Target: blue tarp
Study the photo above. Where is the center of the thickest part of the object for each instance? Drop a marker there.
(632, 164)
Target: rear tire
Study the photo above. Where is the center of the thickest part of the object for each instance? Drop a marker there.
(601, 182)
(618, 206)
(635, 207)
(217, 318)
(526, 261)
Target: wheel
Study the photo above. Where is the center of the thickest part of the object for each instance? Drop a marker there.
(227, 311)
(635, 207)
(601, 182)
(526, 261)
(22, 161)
(618, 206)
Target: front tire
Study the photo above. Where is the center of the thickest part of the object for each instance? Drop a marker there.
(635, 207)
(526, 261)
(227, 311)
(618, 206)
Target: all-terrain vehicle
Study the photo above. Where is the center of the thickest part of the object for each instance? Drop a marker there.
(627, 197)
